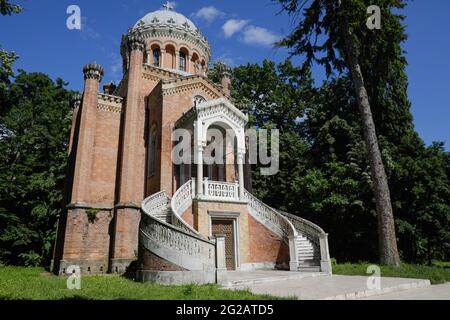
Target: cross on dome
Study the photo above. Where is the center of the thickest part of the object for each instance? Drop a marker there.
(168, 6)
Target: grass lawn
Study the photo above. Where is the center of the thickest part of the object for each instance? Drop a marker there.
(439, 272)
(36, 284)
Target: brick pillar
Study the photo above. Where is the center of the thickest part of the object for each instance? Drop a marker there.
(77, 243)
(226, 81)
(131, 188)
(93, 74)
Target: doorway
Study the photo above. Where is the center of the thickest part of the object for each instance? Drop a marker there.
(226, 227)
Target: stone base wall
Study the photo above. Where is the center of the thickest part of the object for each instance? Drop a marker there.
(87, 267)
(176, 277)
(87, 240)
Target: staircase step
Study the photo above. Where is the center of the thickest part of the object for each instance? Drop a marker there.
(309, 269)
(307, 259)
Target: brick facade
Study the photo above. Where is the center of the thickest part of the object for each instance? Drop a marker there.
(108, 177)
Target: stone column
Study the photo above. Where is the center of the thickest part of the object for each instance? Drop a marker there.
(177, 60)
(240, 161)
(293, 256)
(325, 261)
(221, 266)
(188, 63)
(199, 154)
(148, 57)
(162, 58)
(131, 188)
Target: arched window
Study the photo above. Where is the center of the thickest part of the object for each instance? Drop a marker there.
(182, 61)
(156, 57)
(152, 153)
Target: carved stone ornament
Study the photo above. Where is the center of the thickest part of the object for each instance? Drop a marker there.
(93, 71)
(135, 42)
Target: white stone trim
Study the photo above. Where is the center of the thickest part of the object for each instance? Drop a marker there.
(234, 217)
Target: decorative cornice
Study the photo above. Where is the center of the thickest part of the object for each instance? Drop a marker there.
(93, 71)
(189, 83)
(107, 108)
(212, 108)
(110, 98)
(161, 73)
(127, 205)
(170, 31)
(224, 107)
(85, 205)
(109, 103)
(149, 76)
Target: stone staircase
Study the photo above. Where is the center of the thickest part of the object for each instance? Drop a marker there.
(308, 255)
(164, 233)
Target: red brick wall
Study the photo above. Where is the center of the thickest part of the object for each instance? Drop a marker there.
(104, 166)
(265, 246)
(188, 216)
(84, 239)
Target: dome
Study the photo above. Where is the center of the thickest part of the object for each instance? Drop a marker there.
(168, 17)
(176, 36)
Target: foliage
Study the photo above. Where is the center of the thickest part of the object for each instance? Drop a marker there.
(34, 127)
(92, 214)
(324, 173)
(435, 274)
(35, 284)
(216, 71)
(6, 8)
(6, 58)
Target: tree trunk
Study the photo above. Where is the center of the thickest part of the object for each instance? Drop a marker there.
(387, 241)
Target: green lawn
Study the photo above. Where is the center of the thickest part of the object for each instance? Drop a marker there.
(439, 272)
(36, 284)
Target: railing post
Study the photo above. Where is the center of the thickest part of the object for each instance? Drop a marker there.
(293, 256)
(325, 261)
(240, 161)
(206, 184)
(236, 191)
(193, 188)
(221, 265)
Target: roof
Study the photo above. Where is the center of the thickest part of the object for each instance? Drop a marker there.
(168, 17)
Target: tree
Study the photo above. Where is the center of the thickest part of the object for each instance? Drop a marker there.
(34, 130)
(343, 23)
(6, 8)
(7, 58)
(275, 97)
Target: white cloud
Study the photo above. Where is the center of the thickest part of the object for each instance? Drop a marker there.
(115, 66)
(87, 32)
(259, 36)
(209, 13)
(172, 4)
(232, 26)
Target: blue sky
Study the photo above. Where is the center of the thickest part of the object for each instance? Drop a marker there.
(238, 31)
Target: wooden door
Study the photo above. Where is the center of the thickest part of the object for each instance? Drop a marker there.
(226, 228)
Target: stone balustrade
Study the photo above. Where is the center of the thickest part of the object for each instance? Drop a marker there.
(218, 190)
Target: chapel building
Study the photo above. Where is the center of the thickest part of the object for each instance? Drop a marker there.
(131, 207)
